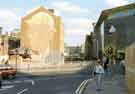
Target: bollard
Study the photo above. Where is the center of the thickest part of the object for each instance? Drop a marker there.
(0, 80)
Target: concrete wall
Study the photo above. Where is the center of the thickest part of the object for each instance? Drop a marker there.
(130, 69)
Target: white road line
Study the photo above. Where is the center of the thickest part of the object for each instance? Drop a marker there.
(82, 86)
(17, 82)
(78, 89)
(32, 81)
(6, 82)
(23, 91)
(6, 87)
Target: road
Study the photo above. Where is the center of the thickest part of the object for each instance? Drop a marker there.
(58, 84)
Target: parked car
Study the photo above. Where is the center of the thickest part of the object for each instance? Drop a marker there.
(6, 71)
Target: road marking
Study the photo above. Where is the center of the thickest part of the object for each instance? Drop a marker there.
(6, 87)
(78, 89)
(82, 86)
(32, 81)
(23, 91)
(6, 82)
(17, 82)
(12, 82)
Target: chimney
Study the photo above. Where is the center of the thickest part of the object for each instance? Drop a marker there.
(51, 10)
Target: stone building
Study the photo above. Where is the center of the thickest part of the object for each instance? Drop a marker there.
(42, 32)
(3, 42)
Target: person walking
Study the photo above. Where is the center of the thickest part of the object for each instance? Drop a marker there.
(106, 63)
(99, 72)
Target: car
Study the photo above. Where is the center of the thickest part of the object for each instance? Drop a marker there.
(7, 71)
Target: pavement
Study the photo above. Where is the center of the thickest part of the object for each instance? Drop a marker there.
(45, 69)
(115, 85)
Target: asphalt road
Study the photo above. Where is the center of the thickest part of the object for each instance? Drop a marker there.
(58, 84)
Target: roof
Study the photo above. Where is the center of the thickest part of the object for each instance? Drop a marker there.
(106, 13)
(36, 10)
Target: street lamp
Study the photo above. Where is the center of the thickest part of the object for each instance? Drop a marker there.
(16, 53)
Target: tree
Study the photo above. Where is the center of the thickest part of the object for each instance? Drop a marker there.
(13, 42)
(89, 47)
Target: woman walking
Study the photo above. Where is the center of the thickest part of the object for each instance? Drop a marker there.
(99, 72)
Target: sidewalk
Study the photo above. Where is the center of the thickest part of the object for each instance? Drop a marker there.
(45, 69)
(114, 86)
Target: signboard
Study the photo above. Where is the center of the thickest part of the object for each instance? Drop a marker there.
(112, 29)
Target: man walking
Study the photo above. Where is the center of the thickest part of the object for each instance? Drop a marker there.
(99, 72)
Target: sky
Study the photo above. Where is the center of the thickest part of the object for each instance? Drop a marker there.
(77, 15)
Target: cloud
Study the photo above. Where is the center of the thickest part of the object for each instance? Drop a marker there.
(76, 29)
(68, 7)
(76, 22)
(78, 26)
(8, 19)
(74, 40)
(115, 3)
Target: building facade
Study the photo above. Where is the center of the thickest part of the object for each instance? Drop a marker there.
(122, 19)
(42, 32)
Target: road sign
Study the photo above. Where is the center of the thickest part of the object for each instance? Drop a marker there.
(112, 29)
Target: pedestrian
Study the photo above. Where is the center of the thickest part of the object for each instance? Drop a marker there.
(104, 61)
(110, 68)
(98, 73)
(123, 68)
(106, 66)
